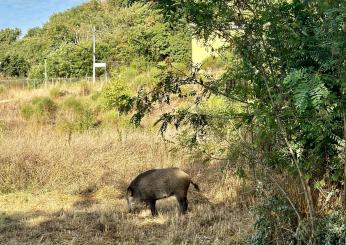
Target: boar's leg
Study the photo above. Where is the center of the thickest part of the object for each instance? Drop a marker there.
(182, 204)
(152, 206)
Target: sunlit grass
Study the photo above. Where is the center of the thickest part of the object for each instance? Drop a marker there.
(57, 190)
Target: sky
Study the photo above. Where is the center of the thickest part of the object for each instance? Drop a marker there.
(26, 14)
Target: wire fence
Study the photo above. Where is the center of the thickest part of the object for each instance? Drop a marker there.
(34, 83)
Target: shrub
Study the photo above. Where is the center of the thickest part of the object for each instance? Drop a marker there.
(113, 92)
(77, 116)
(276, 223)
(332, 228)
(73, 104)
(40, 109)
(213, 63)
(84, 88)
(27, 111)
(129, 80)
(119, 121)
(56, 92)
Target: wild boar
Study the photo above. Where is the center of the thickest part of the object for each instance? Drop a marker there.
(157, 184)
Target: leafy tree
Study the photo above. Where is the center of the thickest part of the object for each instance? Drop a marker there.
(70, 61)
(124, 34)
(9, 35)
(33, 32)
(288, 73)
(14, 66)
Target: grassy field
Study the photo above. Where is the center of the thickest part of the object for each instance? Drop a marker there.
(57, 188)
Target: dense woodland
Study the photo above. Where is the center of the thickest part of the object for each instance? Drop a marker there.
(272, 105)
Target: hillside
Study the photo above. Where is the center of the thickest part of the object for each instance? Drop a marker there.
(124, 34)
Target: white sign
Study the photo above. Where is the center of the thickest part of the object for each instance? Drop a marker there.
(100, 65)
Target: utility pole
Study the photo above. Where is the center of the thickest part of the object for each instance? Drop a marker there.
(45, 72)
(95, 65)
(94, 51)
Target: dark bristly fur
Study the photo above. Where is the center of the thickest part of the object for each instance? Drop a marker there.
(156, 184)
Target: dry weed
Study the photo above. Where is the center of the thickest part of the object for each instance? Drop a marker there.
(61, 191)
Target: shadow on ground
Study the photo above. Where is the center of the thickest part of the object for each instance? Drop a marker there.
(96, 219)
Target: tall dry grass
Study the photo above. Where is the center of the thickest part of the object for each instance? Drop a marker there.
(61, 189)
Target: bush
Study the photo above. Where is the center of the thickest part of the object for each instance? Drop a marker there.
(85, 88)
(40, 109)
(213, 63)
(56, 92)
(129, 80)
(275, 220)
(27, 111)
(332, 228)
(14, 65)
(276, 223)
(77, 116)
(113, 92)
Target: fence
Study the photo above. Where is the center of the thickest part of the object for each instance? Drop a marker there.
(33, 83)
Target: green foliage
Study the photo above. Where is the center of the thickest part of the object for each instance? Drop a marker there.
(85, 88)
(14, 66)
(33, 32)
(40, 109)
(76, 116)
(27, 111)
(113, 118)
(128, 80)
(8, 36)
(56, 92)
(275, 220)
(332, 228)
(287, 74)
(70, 60)
(36, 72)
(114, 93)
(124, 34)
(291, 91)
(213, 63)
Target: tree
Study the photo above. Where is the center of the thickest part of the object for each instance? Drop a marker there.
(8, 35)
(124, 33)
(14, 66)
(289, 75)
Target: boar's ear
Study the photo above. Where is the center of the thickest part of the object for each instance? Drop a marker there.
(130, 191)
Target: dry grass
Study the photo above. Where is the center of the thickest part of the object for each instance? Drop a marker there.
(55, 192)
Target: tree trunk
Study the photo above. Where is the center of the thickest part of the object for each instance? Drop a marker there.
(344, 201)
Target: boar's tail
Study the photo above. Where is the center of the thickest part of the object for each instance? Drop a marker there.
(195, 185)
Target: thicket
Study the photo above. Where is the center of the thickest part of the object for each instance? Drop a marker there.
(287, 75)
(69, 113)
(124, 34)
(41, 110)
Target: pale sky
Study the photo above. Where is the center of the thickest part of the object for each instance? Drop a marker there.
(26, 14)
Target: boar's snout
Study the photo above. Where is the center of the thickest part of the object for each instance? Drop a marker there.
(130, 200)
